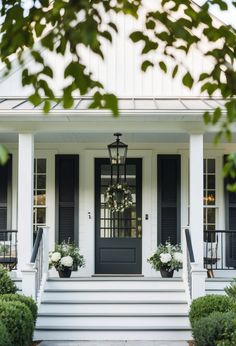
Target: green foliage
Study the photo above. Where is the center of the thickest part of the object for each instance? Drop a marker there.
(231, 289)
(6, 283)
(28, 301)
(64, 250)
(229, 339)
(210, 330)
(167, 257)
(4, 336)
(18, 320)
(203, 306)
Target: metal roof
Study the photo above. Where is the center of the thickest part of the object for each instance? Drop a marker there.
(128, 103)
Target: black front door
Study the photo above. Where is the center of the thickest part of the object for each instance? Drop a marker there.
(118, 235)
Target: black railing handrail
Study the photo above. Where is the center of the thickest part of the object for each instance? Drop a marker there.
(8, 230)
(189, 245)
(219, 231)
(36, 245)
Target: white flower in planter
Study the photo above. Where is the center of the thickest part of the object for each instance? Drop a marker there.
(165, 257)
(178, 256)
(55, 256)
(67, 261)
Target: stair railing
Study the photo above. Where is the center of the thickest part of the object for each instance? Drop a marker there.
(34, 276)
(188, 261)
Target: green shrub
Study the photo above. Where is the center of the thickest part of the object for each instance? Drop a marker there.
(4, 336)
(23, 299)
(210, 330)
(19, 322)
(6, 283)
(203, 306)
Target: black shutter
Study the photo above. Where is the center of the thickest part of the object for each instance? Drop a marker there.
(67, 197)
(230, 222)
(168, 196)
(5, 194)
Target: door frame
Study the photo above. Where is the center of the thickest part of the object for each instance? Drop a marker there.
(115, 243)
(87, 206)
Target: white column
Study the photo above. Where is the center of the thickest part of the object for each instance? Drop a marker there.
(198, 273)
(25, 198)
(196, 212)
(196, 195)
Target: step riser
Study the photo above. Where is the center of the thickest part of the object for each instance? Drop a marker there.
(115, 285)
(218, 285)
(113, 335)
(215, 292)
(112, 321)
(113, 308)
(93, 296)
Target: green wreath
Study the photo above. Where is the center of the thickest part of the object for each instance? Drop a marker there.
(126, 199)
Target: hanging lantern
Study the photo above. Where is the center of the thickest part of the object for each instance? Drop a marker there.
(117, 151)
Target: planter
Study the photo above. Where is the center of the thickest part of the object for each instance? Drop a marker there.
(75, 267)
(166, 273)
(65, 273)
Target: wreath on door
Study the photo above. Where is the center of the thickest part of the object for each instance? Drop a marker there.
(118, 197)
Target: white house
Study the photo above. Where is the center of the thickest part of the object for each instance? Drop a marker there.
(57, 176)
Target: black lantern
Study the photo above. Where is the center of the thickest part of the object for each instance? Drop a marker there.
(117, 151)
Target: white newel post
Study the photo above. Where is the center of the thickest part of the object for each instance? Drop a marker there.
(25, 208)
(196, 212)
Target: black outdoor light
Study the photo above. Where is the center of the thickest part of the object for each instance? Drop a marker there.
(117, 151)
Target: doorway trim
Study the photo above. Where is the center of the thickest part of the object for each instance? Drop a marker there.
(87, 206)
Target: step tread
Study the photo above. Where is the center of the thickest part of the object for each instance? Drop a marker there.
(92, 328)
(115, 278)
(69, 290)
(49, 301)
(51, 314)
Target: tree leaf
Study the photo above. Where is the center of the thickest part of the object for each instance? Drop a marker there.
(188, 80)
(146, 64)
(163, 66)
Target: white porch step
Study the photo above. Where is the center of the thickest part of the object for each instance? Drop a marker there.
(118, 333)
(101, 319)
(72, 306)
(114, 283)
(114, 294)
(217, 285)
(113, 309)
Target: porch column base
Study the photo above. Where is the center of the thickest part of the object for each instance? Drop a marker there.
(198, 281)
(29, 281)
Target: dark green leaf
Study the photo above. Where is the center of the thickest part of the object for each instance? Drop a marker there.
(188, 80)
(163, 66)
(146, 64)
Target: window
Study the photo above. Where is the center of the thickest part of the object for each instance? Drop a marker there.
(39, 211)
(209, 195)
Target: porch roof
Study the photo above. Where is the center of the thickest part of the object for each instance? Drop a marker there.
(126, 104)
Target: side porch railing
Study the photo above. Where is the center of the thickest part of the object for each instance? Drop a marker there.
(35, 274)
(219, 250)
(193, 273)
(8, 248)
